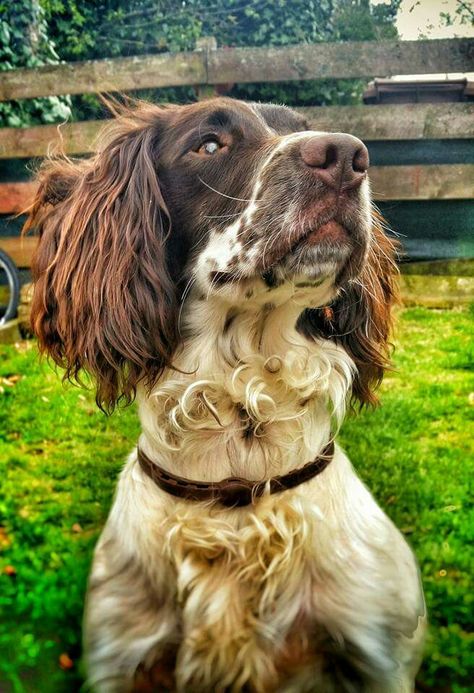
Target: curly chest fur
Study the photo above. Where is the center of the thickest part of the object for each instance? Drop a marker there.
(252, 397)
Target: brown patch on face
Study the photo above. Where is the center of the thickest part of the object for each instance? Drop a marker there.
(209, 191)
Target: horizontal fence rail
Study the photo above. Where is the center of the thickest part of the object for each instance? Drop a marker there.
(402, 122)
(352, 59)
(431, 182)
(340, 60)
(394, 122)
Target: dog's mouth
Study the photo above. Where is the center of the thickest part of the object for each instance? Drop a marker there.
(330, 232)
(321, 243)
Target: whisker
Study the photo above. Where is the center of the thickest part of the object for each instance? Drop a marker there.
(229, 197)
(186, 292)
(220, 216)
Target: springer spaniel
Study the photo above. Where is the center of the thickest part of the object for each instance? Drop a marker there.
(222, 263)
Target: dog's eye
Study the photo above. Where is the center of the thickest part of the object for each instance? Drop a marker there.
(210, 147)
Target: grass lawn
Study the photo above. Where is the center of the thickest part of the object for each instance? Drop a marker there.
(59, 458)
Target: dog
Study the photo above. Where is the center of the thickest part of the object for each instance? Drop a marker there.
(222, 263)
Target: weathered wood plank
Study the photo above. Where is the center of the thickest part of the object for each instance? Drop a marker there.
(15, 197)
(432, 182)
(117, 74)
(350, 59)
(404, 122)
(226, 65)
(20, 248)
(73, 138)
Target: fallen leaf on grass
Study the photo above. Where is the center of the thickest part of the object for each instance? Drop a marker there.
(65, 662)
(10, 380)
(76, 527)
(4, 538)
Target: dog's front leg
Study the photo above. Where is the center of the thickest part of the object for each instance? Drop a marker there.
(129, 624)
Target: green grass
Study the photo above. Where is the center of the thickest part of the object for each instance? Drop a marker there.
(59, 458)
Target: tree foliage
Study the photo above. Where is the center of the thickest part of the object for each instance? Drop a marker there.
(86, 30)
(24, 42)
(462, 15)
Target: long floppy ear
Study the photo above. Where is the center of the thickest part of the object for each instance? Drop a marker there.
(360, 319)
(104, 301)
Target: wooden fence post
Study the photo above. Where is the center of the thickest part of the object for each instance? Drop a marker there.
(206, 44)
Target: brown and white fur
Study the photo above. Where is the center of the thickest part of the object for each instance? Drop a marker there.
(222, 262)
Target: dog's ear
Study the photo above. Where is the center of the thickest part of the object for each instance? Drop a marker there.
(360, 319)
(104, 301)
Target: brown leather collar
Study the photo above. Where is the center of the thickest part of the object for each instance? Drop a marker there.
(233, 491)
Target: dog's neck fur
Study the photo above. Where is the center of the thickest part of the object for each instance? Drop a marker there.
(252, 397)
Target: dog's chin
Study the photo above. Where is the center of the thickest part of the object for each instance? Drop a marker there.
(305, 274)
(320, 254)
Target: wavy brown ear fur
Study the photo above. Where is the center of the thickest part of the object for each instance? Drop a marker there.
(360, 319)
(104, 301)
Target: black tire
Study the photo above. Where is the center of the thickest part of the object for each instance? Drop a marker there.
(8, 267)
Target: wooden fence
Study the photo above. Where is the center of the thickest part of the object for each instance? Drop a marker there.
(446, 127)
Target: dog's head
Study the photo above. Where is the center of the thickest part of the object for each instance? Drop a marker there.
(235, 200)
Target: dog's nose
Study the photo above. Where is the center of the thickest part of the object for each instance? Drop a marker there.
(338, 160)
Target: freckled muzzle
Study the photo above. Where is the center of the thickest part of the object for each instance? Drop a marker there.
(313, 203)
